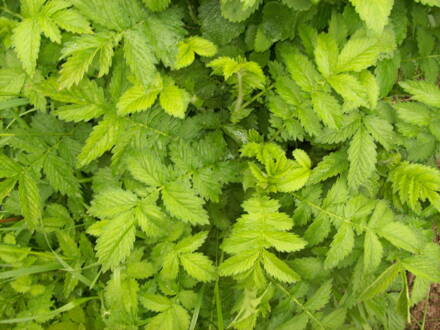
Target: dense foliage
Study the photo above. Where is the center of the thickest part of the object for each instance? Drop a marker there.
(218, 164)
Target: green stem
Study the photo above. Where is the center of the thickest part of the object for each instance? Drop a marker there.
(239, 101)
(296, 301)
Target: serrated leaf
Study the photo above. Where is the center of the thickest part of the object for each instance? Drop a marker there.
(400, 236)
(375, 13)
(239, 263)
(155, 302)
(156, 5)
(147, 168)
(30, 200)
(331, 165)
(381, 130)
(198, 266)
(327, 108)
(320, 298)
(382, 282)
(423, 91)
(138, 98)
(373, 251)
(60, 175)
(326, 54)
(182, 203)
(26, 41)
(278, 268)
(72, 21)
(284, 242)
(174, 100)
(102, 139)
(362, 157)
(8, 167)
(112, 202)
(139, 55)
(116, 241)
(191, 243)
(341, 246)
(424, 267)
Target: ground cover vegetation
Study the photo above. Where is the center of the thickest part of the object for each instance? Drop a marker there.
(218, 164)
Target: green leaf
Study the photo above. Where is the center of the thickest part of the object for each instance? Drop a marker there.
(416, 182)
(400, 236)
(102, 139)
(72, 21)
(6, 187)
(147, 168)
(414, 113)
(139, 98)
(320, 298)
(373, 251)
(155, 302)
(198, 266)
(214, 26)
(331, 165)
(239, 263)
(358, 54)
(26, 41)
(60, 175)
(362, 157)
(375, 13)
(112, 202)
(382, 282)
(30, 200)
(302, 70)
(326, 54)
(341, 246)
(278, 268)
(350, 88)
(116, 241)
(381, 130)
(139, 55)
(174, 100)
(8, 167)
(327, 108)
(182, 203)
(423, 266)
(80, 54)
(191, 243)
(423, 91)
(156, 5)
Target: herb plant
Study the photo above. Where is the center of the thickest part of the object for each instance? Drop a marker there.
(218, 164)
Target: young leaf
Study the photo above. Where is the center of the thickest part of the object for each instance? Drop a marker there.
(341, 246)
(382, 282)
(278, 268)
(182, 203)
(30, 200)
(198, 266)
(375, 13)
(116, 241)
(26, 41)
(362, 157)
(423, 91)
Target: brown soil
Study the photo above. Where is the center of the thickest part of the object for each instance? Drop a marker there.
(426, 314)
(427, 311)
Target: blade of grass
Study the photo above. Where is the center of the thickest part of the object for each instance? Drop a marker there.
(67, 307)
(30, 270)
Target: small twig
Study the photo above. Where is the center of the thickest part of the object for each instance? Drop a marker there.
(12, 219)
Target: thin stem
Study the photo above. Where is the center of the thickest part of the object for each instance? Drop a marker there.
(10, 12)
(296, 301)
(256, 96)
(239, 101)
